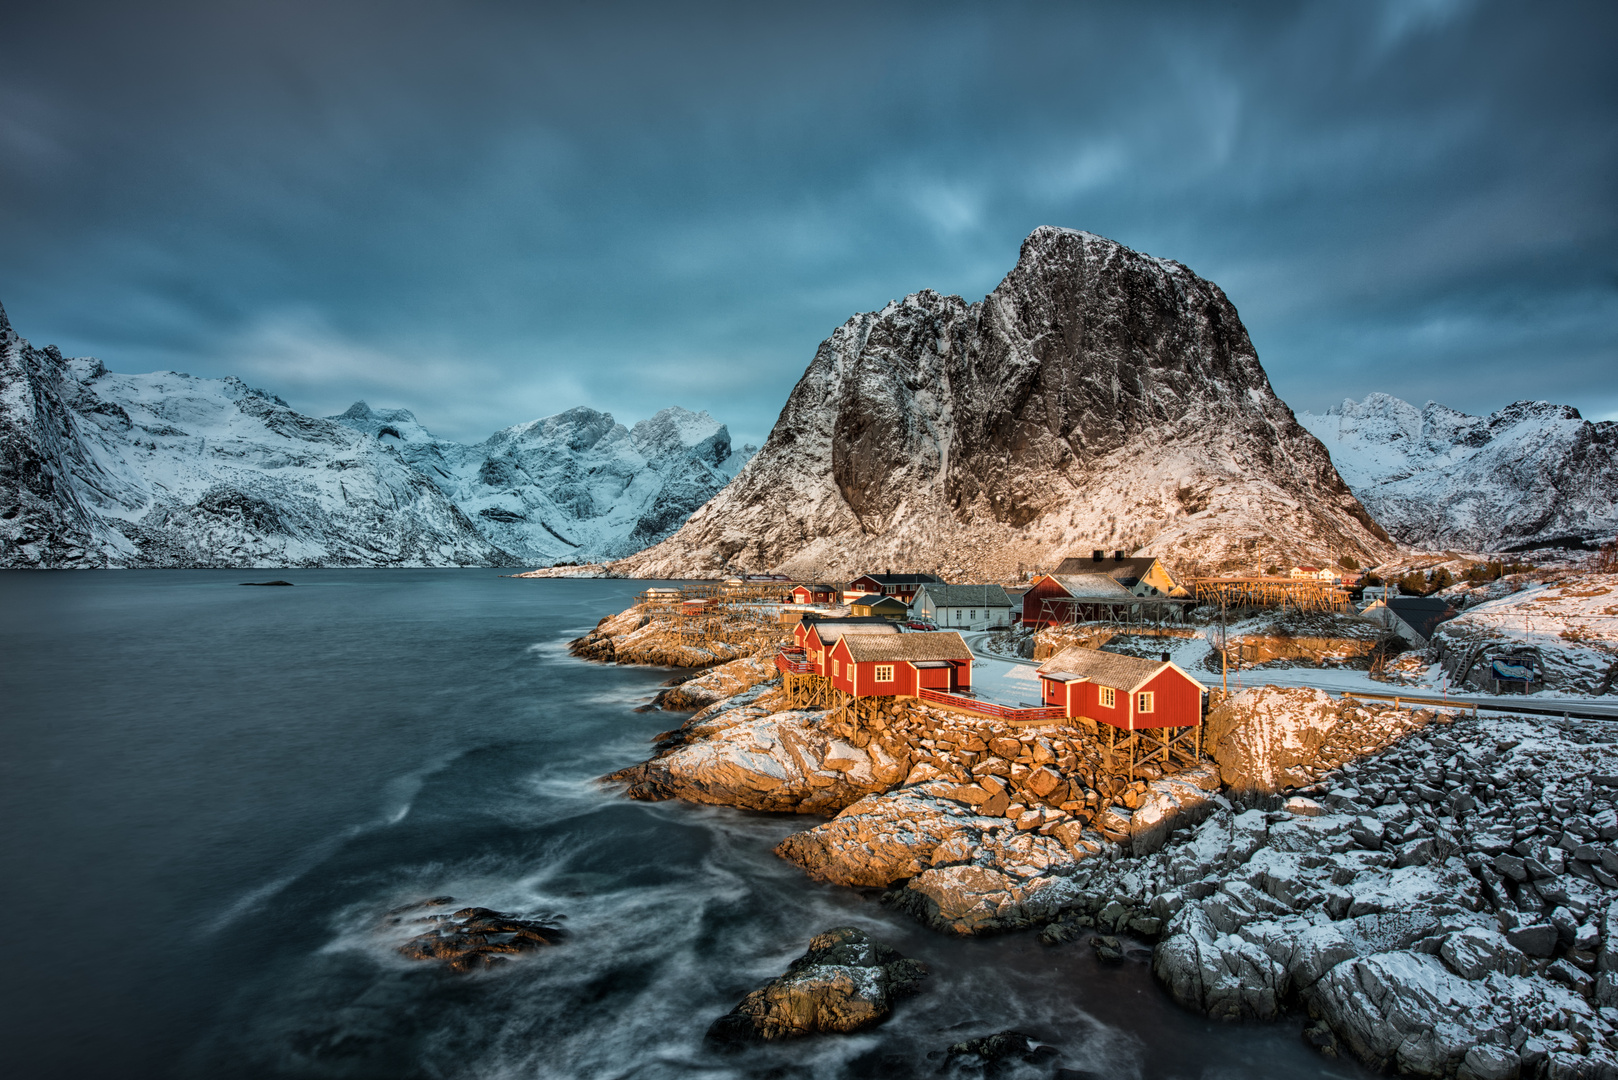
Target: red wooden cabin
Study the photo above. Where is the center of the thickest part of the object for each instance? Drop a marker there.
(903, 586)
(1127, 692)
(879, 665)
(814, 593)
(815, 637)
(1064, 598)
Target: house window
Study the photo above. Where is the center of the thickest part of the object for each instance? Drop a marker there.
(974, 616)
(836, 668)
(884, 673)
(1143, 701)
(1109, 697)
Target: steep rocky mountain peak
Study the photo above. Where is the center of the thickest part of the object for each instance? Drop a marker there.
(1098, 397)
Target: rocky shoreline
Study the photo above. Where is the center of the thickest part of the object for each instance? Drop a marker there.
(1438, 893)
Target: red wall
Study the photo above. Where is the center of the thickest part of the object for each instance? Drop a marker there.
(1177, 703)
(1033, 612)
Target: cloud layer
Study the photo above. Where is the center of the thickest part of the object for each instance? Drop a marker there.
(491, 212)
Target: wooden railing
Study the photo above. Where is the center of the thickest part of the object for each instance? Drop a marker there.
(794, 662)
(989, 708)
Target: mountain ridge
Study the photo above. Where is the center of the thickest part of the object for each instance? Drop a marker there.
(166, 469)
(1096, 398)
(1530, 474)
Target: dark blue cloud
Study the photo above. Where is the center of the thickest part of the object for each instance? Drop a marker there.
(487, 212)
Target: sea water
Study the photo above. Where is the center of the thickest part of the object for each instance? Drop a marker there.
(212, 796)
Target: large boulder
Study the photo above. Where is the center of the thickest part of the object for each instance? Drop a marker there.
(1270, 738)
(755, 758)
(717, 684)
(844, 982)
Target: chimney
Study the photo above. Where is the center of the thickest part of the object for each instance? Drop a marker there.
(1165, 657)
(1118, 555)
(1096, 555)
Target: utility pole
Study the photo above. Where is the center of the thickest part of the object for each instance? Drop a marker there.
(1224, 651)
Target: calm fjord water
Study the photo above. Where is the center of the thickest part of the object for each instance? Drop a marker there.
(211, 794)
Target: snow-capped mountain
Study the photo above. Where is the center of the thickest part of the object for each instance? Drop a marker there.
(1097, 398)
(577, 486)
(1533, 473)
(164, 469)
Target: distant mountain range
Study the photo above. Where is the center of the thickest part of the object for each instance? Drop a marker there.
(164, 469)
(1531, 475)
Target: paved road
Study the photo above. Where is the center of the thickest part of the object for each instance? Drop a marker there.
(1010, 680)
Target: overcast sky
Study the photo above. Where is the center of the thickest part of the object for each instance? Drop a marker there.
(492, 212)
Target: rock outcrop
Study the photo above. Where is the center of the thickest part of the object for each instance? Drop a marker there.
(746, 752)
(845, 982)
(1097, 398)
(472, 937)
(1269, 738)
(635, 636)
(1447, 906)
(719, 683)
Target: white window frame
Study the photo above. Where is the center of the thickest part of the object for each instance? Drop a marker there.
(836, 668)
(884, 673)
(1145, 701)
(1109, 697)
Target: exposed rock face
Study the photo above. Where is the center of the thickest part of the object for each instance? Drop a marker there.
(1096, 398)
(1268, 738)
(1532, 473)
(845, 982)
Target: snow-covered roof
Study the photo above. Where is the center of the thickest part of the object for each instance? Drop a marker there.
(1092, 586)
(945, 645)
(1104, 669)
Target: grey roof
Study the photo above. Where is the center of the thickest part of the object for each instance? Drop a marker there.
(1093, 587)
(990, 596)
(874, 598)
(1101, 668)
(938, 645)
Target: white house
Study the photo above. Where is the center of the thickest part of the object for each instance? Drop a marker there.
(962, 607)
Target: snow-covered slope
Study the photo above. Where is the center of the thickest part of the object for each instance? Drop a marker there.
(101, 469)
(1532, 473)
(1097, 398)
(577, 486)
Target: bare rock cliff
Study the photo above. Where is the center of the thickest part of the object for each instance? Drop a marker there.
(1097, 397)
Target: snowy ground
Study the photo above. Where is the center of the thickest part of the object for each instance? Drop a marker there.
(1015, 682)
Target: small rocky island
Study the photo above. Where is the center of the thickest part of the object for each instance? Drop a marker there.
(1438, 892)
